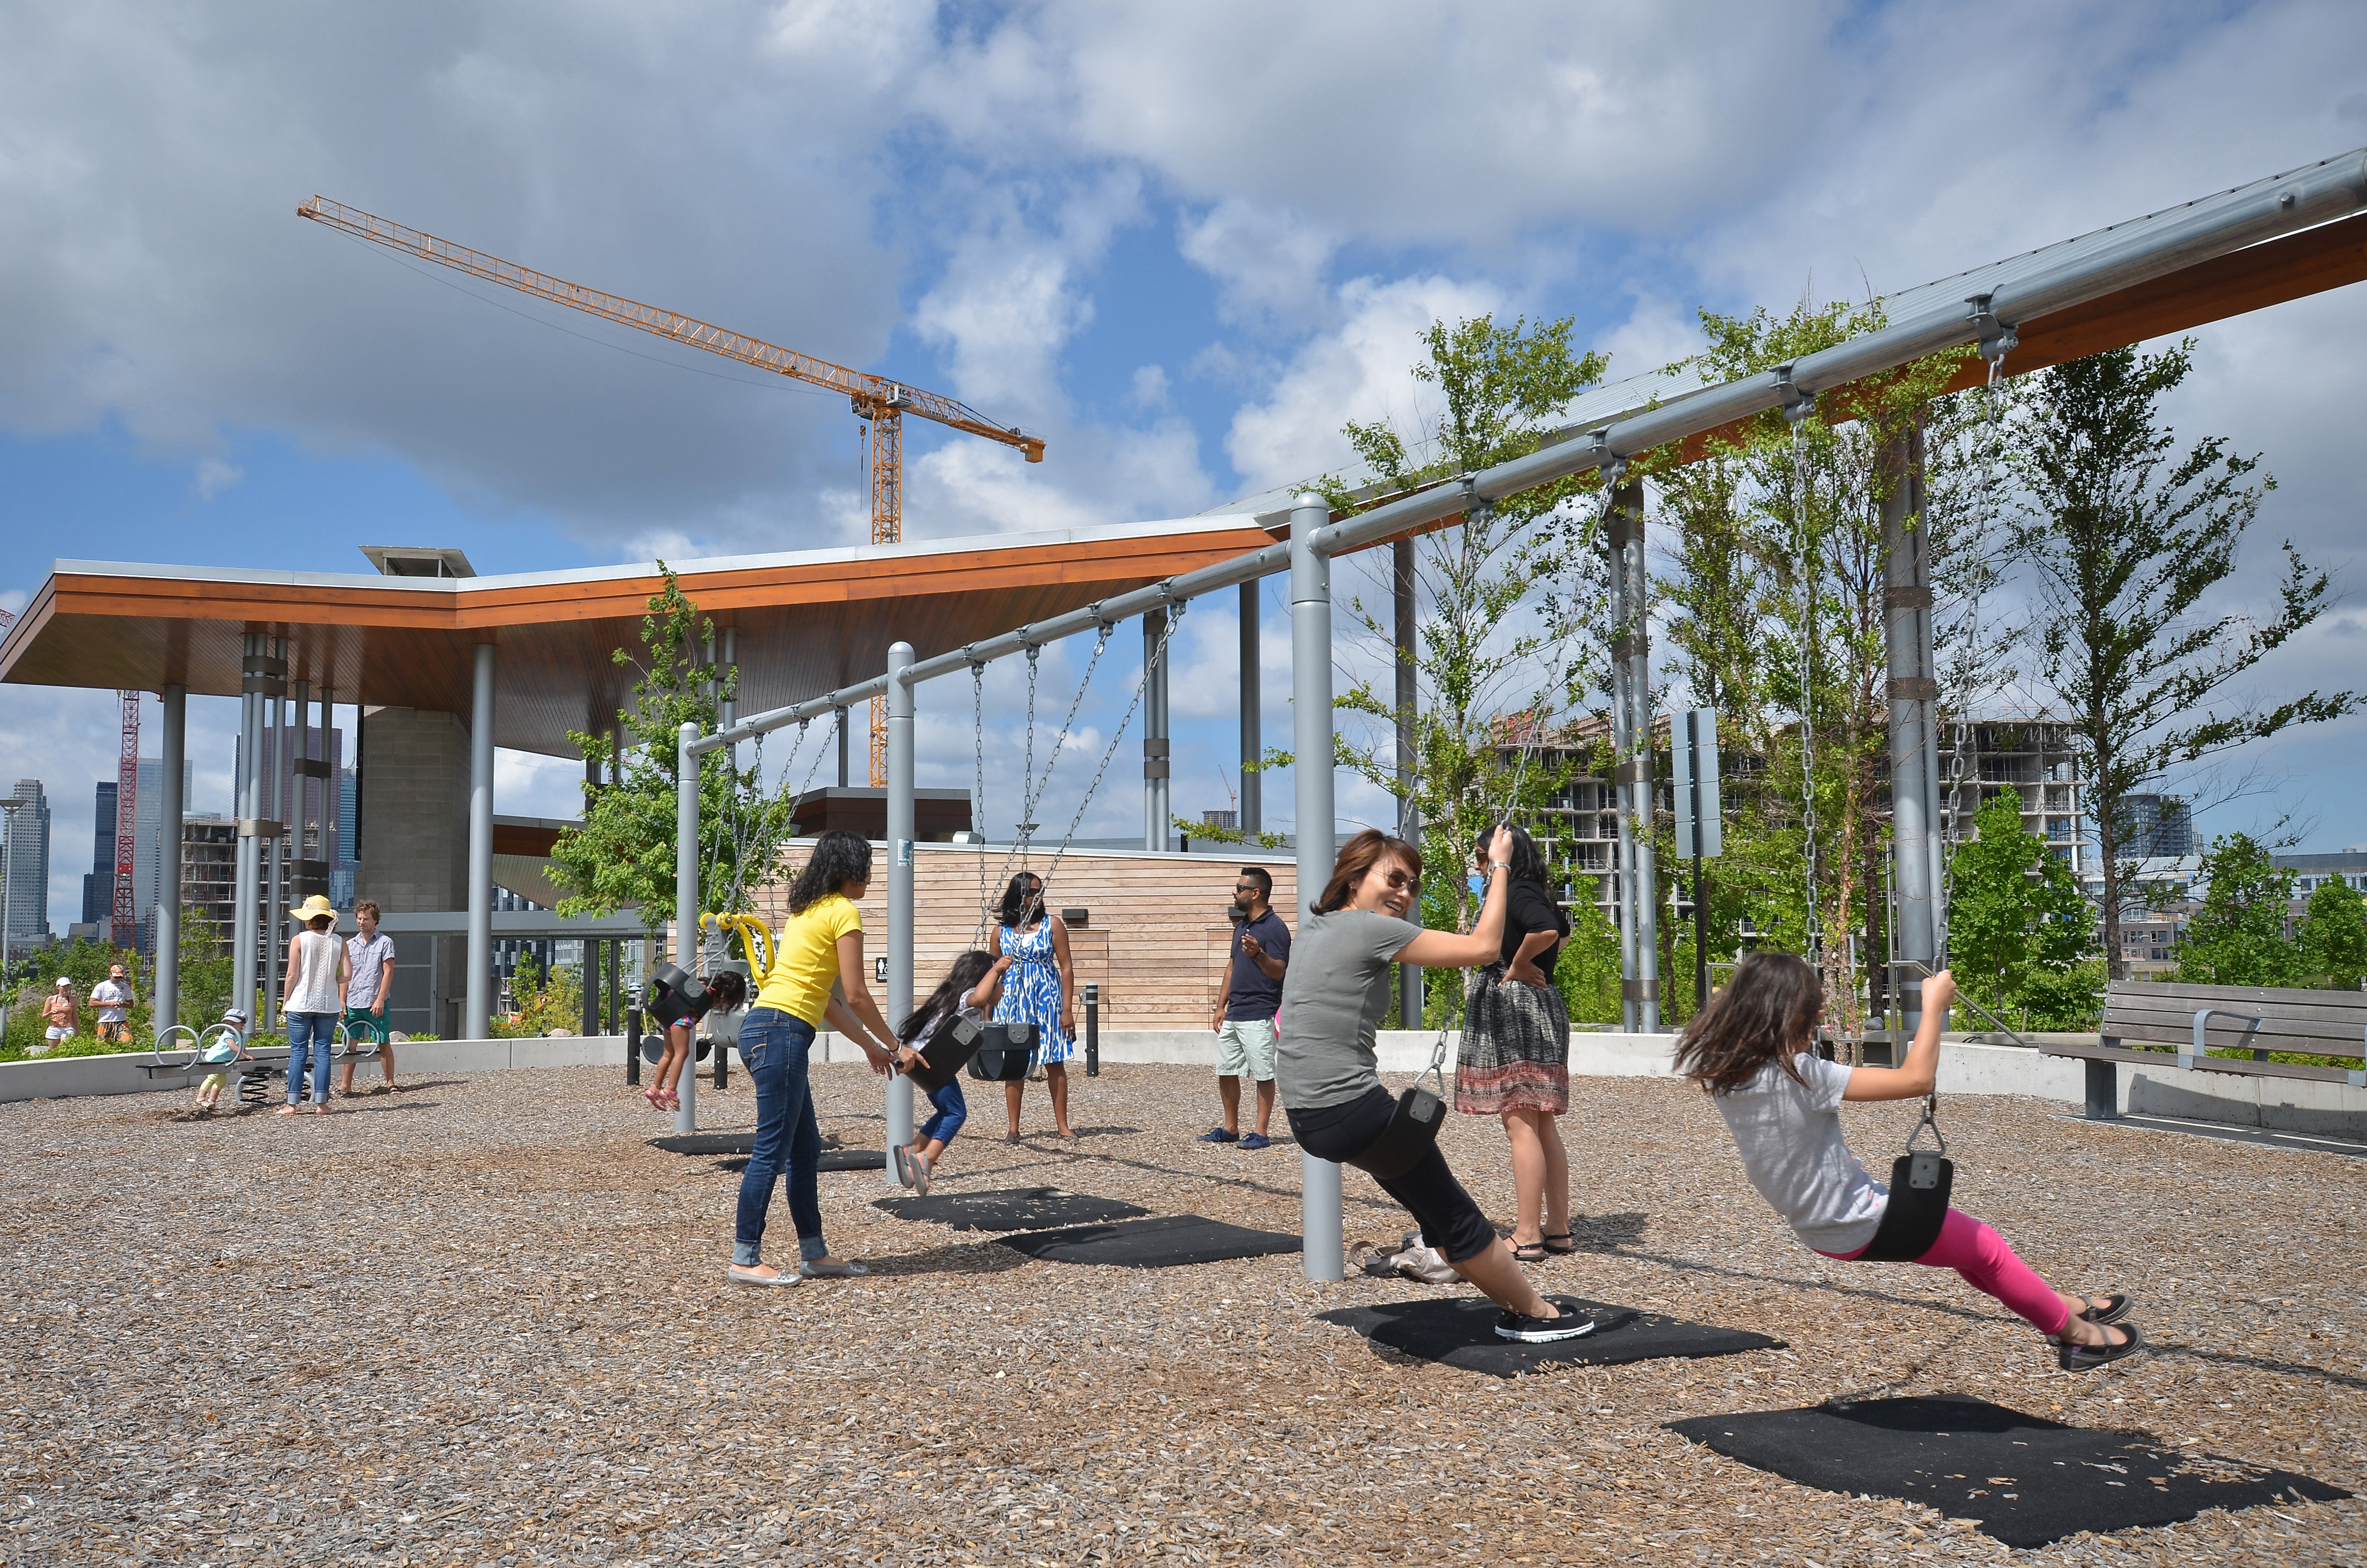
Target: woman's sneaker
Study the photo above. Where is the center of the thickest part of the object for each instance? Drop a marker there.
(1569, 1325)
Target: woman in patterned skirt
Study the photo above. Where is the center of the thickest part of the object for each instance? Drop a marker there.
(1514, 1061)
(1038, 989)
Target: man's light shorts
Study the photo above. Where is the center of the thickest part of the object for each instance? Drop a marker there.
(1245, 1048)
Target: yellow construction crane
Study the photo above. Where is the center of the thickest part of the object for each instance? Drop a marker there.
(877, 401)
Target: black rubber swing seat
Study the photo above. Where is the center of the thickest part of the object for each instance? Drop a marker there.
(2024, 1480)
(1010, 1208)
(1460, 1330)
(742, 1140)
(1167, 1241)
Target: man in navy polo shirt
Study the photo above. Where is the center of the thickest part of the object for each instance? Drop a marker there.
(1244, 1023)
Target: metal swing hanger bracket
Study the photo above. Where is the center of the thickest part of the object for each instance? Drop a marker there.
(1796, 402)
(1995, 338)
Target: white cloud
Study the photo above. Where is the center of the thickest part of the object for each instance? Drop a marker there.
(1269, 262)
(1360, 370)
(214, 476)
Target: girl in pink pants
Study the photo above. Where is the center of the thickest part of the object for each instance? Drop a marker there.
(1750, 1050)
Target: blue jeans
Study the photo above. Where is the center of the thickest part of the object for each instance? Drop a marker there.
(774, 1045)
(952, 1111)
(308, 1030)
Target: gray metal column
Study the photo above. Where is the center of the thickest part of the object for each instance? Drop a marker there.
(841, 748)
(686, 902)
(170, 810)
(254, 673)
(1252, 716)
(275, 889)
(477, 1021)
(1906, 616)
(1155, 755)
(1409, 693)
(1310, 729)
(1639, 946)
(900, 882)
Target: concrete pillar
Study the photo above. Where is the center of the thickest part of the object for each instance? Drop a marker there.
(171, 809)
(1155, 755)
(1310, 729)
(685, 900)
(478, 1017)
(1405, 602)
(1252, 716)
(1639, 947)
(900, 882)
(274, 807)
(1913, 689)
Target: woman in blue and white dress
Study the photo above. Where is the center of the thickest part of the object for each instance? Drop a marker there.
(1040, 989)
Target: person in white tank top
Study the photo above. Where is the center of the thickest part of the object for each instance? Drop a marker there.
(315, 994)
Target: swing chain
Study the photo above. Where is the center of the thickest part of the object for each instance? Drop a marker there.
(1797, 407)
(1176, 608)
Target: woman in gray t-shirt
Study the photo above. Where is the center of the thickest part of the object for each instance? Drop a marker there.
(1333, 998)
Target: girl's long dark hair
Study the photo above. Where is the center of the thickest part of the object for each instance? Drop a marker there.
(959, 983)
(839, 858)
(1358, 856)
(731, 988)
(1768, 1011)
(1026, 889)
(1528, 866)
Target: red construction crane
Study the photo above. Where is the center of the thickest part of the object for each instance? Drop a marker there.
(880, 402)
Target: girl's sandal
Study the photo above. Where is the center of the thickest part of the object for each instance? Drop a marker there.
(1528, 1251)
(1561, 1246)
(2116, 1308)
(655, 1097)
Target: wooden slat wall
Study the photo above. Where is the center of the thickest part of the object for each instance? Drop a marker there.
(1156, 941)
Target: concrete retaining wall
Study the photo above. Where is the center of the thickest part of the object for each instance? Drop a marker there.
(1966, 1067)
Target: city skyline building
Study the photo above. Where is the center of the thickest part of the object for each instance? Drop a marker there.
(24, 898)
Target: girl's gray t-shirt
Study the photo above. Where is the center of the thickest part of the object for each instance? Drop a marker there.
(1790, 1136)
(1334, 995)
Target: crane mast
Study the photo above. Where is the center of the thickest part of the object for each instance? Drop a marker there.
(880, 402)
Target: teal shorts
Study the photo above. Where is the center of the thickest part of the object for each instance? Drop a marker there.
(361, 1025)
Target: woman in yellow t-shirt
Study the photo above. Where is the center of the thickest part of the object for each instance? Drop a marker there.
(820, 946)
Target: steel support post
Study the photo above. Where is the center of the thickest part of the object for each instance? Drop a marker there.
(477, 1024)
(244, 900)
(1252, 717)
(685, 900)
(899, 882)
(274, 807)
(1913, 690)
(841, 748)
(170, 810)
(1155, 757)
(1311, 726)
(1622, 525)
(1407, 608)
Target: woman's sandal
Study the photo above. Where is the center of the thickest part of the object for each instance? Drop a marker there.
(1568, 1243)
(1528, 1251)
(2076, 1357)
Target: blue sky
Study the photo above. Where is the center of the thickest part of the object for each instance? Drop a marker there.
(1185, 243)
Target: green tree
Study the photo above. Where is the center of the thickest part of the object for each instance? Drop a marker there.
(623, 855)
(2334, 936)
(2238, 936)
(206, 970)
(2019, 927)
(2127, 536)
(1512, 597)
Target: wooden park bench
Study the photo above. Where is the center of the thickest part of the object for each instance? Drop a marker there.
(2222, 1028)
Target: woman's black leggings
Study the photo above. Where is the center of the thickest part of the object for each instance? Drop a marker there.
(1450, 1221)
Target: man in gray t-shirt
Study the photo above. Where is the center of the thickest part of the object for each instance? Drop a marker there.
(1333, 999)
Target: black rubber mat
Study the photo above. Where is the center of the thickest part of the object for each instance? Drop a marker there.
(2024, 1480)
(710, 1145)
(1010, 1208)
(1460, 1330)
(851, 1159)
(1170, 1241)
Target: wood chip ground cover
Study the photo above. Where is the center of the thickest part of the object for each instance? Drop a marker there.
(483, 1322)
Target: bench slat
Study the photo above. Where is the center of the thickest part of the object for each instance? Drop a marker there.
(2323, 1039)
(2195, 997)
(2332, 1021)
(2239, 1066)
